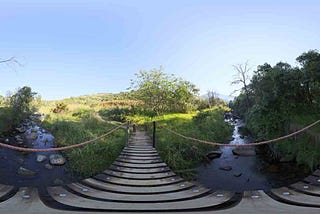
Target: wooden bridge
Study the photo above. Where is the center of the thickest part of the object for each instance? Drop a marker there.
(138, 181)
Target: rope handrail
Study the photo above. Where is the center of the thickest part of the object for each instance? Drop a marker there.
(59, 148)
(243, 145)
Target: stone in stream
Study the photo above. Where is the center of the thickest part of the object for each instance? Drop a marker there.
(25, 171)
(21, 129)
(225, 168)
(41, 158)
(214, 154)
(58, 181)
(57, 159)
(6, 140)
(237, 174)
(32, 136)
(19, 139)
(48, 166)
(244, 151)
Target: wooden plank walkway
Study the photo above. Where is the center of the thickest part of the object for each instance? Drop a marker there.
(138, 181)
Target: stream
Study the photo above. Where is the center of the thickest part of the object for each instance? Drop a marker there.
(22, 168)
(241, 173)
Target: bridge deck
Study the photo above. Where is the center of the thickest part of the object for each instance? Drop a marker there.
(139, 181)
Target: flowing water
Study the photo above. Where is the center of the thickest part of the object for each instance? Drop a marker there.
(246, 172)
(44, 173)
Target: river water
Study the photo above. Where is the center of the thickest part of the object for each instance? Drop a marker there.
(247, 172)
(44, 173)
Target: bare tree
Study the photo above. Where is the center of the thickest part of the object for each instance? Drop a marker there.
(10, 62)
(242, 77)
(211, 97)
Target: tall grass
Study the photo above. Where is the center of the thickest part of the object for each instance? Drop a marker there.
(183, 156)
(92, 158)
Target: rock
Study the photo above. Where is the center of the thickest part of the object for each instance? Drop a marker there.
(225, 168)
(48, 166)
(241, 136)
(57, 159)
(6, 140)
(25, 172)
(58, 181)
(286, 159)
(32, 136)
(237, 174)
(18, 138)
(41, 158)
(214, 154)
(244, 151)
(21, 129)
(20, 160)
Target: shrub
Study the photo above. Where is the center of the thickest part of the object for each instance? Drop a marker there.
(60, 107)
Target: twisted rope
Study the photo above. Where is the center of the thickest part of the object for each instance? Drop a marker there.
(59, 148)
(243, 145)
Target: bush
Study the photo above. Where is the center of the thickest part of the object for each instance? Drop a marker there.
(17, 109)
(115, 114)
(60, 107)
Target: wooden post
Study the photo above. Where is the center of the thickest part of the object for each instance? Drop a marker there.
(127, 132)
(154, 134)
(134, 128)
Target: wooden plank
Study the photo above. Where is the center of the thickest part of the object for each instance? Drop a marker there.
(139, 152)
(317, 172)
(77, 201)
(181, 195)
(293, 196)
(132, 157)
(139, 165)
(312, 179)
(4, 189)
(139, 170)
(309, 188)
(137, 161)
(138, 189)
(130, 182)
(133, 154)
(140, 176)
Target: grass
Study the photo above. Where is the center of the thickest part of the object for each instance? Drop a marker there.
(90, 159)
(181, 155)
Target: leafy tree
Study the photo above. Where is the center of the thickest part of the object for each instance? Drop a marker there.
(162, 92)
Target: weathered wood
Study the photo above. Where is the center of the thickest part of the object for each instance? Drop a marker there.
(139, 170)
(308, 188)
(296, 197)
(138, 165)
(77, 201)
(180, 195)
(139, 176)
(131, 182)
(138, 189)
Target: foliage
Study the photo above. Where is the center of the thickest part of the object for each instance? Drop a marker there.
(60, 107)
(162, 92)
(16, 108)
(69, 130)
(277, 94)
(183, 155)
(116, 114)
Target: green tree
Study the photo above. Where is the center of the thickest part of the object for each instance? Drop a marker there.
(162, 92)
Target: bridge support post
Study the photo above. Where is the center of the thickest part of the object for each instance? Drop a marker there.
(134, 128)
(154, 134)
(127, 132)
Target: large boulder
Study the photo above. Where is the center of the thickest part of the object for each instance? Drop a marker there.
(57, 160)
(244, 151)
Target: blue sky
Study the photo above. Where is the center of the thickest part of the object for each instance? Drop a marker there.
(71, 48)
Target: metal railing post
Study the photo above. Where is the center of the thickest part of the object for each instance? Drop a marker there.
(127, 132)
(154, 134)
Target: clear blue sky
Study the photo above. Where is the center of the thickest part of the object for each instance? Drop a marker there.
(71, 48)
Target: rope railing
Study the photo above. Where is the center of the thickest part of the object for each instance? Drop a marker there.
(243, 145)
(22, 149)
